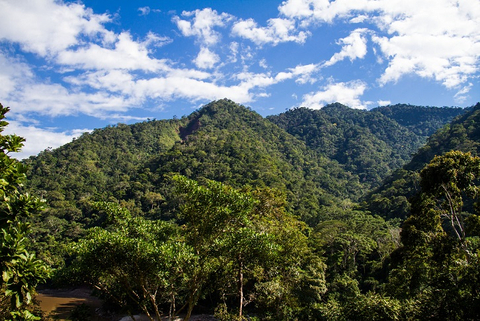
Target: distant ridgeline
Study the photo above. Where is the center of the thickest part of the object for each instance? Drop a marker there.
(319, 159)
(463, 134)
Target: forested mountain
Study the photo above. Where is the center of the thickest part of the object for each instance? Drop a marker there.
(223, 141)
(256, 216)
(317, 158)
(369, 144)
(462, 134)
(424, 121)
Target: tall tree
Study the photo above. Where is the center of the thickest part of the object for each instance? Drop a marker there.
(438, 262)
(248, 233)
(450, 180)
(20, 269)
(218, 221)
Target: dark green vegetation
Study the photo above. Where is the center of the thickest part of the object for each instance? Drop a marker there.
(368, 144)
(20, 270)
(229, 213)
(462, 134)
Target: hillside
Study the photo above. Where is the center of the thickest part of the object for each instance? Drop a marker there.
(424, 121)
(463, 134)
(222, 141)
(317, 158)
(370, 144)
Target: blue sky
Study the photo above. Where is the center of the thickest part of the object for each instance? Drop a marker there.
(67, 67)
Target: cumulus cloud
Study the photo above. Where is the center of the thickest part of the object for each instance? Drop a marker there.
(462, 95)
(13, 75)
(40, 139)
(354, 46)
(126, 54)
(201, 23)
(206, 59)
(48, 26)
(144, 10)
(56, 100)
(348, 93)
(234, 46)
(384, 102)
(278, 30)
(323, 11)
(302, 73)
(437, 39)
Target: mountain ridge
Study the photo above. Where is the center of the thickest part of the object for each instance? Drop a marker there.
(229, 143)
(463, 134)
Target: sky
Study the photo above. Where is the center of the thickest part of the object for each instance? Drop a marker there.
(68, 67)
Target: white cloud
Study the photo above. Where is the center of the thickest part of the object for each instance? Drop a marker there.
(202, 24)
(39, 139)
(233, 52)
(47, 26)
(304, 73)
(359, 19)
(354, 46)
(461, 96)
(263, 63)
(56, 100)
(13, 75)
(344, 93)
(191, 89)
(278, 30)
(450, 60)
(144, 10)
(324, 11)
(384, 102)
(301, 74)
(155, 40)
(206, 59)
(126, 54)
(437, 39)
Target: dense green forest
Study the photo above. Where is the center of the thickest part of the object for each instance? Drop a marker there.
(307, 215)
(391, 199)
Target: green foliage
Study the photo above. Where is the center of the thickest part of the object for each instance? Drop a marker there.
(246, 241)
(137, 263)
(337, 153)
(228, 143)
(424, 121)
(260, 218)
(461, 134)
(20, 270)
(369, 144)
(438, 262)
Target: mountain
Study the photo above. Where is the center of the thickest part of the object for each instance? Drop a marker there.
(194, 238)
(222, 141)
(463, 134)
(319, 159)
(424, 121)
(370, 144)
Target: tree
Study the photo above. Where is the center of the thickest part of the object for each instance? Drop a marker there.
(138, 263)
(21, 271)
(247, 234)
(218, 222)
(438, 262)
(449, 180)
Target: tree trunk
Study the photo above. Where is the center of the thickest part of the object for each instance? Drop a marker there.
(172, 305)
(240, 287)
